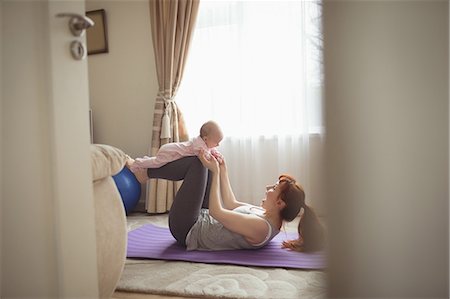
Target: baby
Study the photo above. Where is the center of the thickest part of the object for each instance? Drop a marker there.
(210, 137)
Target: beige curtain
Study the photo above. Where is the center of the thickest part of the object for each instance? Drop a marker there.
(172, 23)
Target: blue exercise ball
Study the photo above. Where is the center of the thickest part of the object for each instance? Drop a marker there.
(129, 188)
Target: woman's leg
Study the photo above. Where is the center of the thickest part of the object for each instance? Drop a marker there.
(205, 204)
(189, 198)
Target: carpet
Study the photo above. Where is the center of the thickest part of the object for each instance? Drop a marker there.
(220, 281)
(150, 241)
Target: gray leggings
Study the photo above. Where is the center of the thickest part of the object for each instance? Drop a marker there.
(190, 198)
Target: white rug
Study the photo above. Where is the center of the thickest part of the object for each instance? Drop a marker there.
(216, 281)
(220, 281)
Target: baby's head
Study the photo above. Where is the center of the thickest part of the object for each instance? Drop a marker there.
(211, 133)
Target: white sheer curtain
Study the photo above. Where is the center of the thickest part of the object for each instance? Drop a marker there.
(255, 67)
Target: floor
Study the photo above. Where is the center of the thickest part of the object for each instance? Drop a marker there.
(136, 220)
(124, 295)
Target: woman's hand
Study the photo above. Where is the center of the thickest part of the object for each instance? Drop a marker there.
(209, 161)
(222, 164)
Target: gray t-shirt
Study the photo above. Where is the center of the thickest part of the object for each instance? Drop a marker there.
(209, 234)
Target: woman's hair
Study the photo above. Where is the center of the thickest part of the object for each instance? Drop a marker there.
(310, 230)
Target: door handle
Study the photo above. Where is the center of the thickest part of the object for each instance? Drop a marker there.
(77, 23)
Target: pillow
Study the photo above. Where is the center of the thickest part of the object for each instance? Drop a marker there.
(106, 160)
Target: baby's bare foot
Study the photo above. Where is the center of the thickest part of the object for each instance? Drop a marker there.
(139, 173)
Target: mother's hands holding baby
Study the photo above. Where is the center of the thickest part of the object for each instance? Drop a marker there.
(209, 161)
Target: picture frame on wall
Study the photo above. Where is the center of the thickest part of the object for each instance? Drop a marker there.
(97, 35)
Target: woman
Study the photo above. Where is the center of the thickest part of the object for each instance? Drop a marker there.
(205, 214)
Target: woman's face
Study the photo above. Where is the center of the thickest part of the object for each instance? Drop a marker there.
(272, 196)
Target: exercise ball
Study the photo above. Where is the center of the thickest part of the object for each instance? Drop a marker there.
(129, 188)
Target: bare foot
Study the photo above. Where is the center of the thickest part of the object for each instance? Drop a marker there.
(140, 173)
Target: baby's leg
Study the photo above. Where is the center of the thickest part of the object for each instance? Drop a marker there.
(139, 173)
(144, 162)
(167, 153)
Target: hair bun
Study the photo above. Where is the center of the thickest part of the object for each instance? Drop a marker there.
(295, 200)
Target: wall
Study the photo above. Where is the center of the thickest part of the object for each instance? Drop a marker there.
(26, 269)
(1, 141)
(387, 84)
(123, 83)
(48, 247)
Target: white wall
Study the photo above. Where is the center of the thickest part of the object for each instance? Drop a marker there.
(123, 83)
(26, 229)
(1, 141)
(47, 216)
(387, 84)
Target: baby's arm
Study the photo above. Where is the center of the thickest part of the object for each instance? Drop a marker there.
(217, 155)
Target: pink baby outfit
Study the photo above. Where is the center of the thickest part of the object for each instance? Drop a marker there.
(173, 151)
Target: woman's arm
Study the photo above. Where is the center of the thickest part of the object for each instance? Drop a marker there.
(252, 227)
(229, 200)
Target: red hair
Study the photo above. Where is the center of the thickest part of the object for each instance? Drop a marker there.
(310, 230)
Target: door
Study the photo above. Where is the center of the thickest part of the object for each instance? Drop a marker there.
(47, 212)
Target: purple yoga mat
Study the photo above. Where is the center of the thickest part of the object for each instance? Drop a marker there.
(155, 242)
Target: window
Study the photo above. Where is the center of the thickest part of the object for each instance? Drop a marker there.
(255, 67)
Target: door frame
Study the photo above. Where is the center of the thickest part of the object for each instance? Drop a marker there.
(48, 242)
